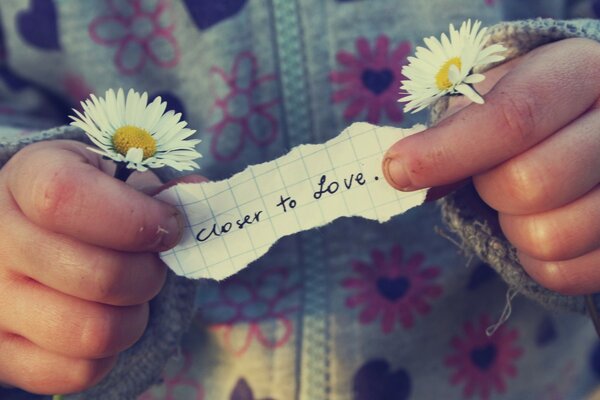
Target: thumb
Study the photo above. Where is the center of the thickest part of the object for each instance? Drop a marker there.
(59, 186)
(520, 111)
(457, 104)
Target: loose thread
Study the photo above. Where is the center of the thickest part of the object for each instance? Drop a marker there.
(510, 295)
(441, 232)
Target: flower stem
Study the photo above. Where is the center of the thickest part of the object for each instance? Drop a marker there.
(57, 397)
(122, 172)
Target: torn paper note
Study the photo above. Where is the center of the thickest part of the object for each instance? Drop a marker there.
(233, 222)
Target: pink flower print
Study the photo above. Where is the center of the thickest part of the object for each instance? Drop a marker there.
(483, 363)
(76, 87)
(490, 2)
(6, 110)
(242, 108)
(140, 30)
(558, 387)
(176, 383)
(254, 307)
(370, 80)
(392, 289)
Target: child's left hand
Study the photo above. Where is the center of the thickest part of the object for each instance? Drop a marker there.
(533, 150)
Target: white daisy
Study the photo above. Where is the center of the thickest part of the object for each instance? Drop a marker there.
(446, 66)
(131, 131)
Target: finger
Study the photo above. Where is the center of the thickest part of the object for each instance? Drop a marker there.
(58, 189)
(177, 181)
(79, 269)
(35, 370)
(560, 234)
(457, 103)
(520, 111)
(144, 181)
(576, 276)
(66, 325)
(541, 178)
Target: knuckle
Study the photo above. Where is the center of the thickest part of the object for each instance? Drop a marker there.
(98, 333)
(106, 283)
(39, 382)
(543, 240)
(526, 184)
(125, 281)
(516, 113)
(156, 276)
(111, 330)
(20, 158)
(85, 374)
(54, 378)
(53, 195)
(552, 276)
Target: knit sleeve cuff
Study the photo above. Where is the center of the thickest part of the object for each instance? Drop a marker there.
(10, 145)
(466, 215)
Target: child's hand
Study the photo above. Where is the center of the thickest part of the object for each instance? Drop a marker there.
(78, 265)
(533, 150)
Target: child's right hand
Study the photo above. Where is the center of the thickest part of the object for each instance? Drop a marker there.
(78, 265)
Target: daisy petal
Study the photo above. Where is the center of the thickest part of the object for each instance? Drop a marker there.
(147, 136)
(470, 93)
(445, 66)
(474, 78)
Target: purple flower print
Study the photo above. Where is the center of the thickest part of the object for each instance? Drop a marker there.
(76, 88)
(560, 387)
(483, 364)
(392, 289)
(370, 80)
(243, 116)
(177, 384)
(251, 308)
(141, 31)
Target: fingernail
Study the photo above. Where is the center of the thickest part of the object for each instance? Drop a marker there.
(394, 172)
(172, 231)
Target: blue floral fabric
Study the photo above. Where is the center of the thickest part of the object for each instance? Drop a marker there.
(355, 310)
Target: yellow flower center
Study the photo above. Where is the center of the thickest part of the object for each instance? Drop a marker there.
(128, 137)
(441, 79)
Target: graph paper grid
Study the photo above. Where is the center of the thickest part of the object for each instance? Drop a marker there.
(233, 222)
